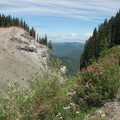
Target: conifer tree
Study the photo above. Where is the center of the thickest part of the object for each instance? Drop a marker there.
(45, 39)
(21, 23)
(37, 38)
(32, 33)
(40, 41)
(107, 35)
(50, 45)
(8, 21)
(0, 20)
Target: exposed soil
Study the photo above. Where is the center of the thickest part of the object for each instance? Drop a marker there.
(18, 64)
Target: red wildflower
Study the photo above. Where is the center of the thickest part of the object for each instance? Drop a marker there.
(43, 106)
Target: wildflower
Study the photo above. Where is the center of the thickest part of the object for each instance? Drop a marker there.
(76, 86)
(89, 69)
(83, 70)
(58, 115)
(87, 84)
(61, 117)
(77, 112)
(41, 107)
(36, 100)
(65, 108)
(73, 105)
(71, 93)
(28, 111)
(101, 73)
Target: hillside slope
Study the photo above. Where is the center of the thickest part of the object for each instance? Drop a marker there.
(107, 35)
(72, 50)
(106, 75)
(69, 54)
(21, 57)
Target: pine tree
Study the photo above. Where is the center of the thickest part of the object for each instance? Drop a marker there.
(45, 39)
(37, 38)
(40, 41)
(8, 21)
(50, 45)
(107, 35)
(0, 20)
(32, 33)
(21, 23)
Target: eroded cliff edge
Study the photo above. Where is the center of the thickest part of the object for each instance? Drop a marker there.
(21, 57)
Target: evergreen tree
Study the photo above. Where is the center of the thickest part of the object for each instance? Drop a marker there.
(32, 33)
(0, 20)
(107, 35)
(21, 23)
(37, 38)
(50, 45)
(40, 40)
(45, 39)
(8, 21)
(3, 21)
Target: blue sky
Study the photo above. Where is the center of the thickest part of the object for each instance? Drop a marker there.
(62, 20)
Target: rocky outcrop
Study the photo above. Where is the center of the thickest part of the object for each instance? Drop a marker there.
(110, 111)
(21, 57)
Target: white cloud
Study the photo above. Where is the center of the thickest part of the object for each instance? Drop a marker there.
(73, 37)
(89, 10)
(78, 37)
(92, 10)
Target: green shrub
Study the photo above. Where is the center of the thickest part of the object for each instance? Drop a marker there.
(100, 81)
(16, 103)
(44, 100)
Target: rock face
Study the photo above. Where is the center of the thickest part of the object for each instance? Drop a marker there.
(110, 111)
(21, 57)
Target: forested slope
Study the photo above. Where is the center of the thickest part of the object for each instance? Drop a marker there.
(9, 21)
(104, 37)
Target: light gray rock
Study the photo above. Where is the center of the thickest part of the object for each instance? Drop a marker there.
(20, 57)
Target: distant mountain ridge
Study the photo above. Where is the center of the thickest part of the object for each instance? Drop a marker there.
(69, 53)
(72, 50)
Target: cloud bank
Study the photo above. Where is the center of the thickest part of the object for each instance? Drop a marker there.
(73, 37)
(91, 10)
(88, 10)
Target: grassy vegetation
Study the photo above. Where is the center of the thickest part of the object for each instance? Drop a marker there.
(48, 99)
(100, 81)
